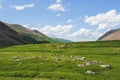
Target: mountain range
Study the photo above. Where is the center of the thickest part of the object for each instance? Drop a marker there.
(14, 34)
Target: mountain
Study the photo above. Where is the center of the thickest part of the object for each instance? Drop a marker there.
(38, 36)
(8, 36)
(35, 34)
(14, 34)
(60, 40)
(111, 35)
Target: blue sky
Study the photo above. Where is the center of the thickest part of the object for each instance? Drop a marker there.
(76, 20)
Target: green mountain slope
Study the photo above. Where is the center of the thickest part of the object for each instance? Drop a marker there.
(13, 34)
(16, 34)
(60, 40)
(35, 34)
(38, 36)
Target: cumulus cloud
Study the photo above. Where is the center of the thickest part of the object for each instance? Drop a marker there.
(104, 20)
(56, 7)
(58, 30)
(21, 7)
(81, 32)
(84, 34)
(66, 32)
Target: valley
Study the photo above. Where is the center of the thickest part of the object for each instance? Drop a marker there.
(59, 61)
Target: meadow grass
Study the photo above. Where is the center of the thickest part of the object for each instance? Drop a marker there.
(53, 62)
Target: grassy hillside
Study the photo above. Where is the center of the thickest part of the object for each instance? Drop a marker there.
(11, 36)
(60, 40)
(38, 36)
(60, 61)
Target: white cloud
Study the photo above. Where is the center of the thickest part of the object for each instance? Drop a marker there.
(104, 20)
(26, 25)
(66, 32)
(1, 4)
(56, 7)
(84, 34)
(21, 7)
(81, 32)
(95, 34)
(57, 31)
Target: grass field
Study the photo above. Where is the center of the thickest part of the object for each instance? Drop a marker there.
(60, 61)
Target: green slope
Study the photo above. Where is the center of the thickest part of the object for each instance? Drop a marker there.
(17, 34)
(31, 33)
(60, 40)
(58, 62)
(38, 36)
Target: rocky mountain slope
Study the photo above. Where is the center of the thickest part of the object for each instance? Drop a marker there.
(111, 35)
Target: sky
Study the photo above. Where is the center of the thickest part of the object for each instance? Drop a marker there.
(76, 20)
